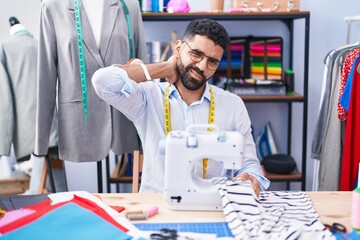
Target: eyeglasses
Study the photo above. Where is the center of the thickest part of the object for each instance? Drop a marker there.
(197, 56)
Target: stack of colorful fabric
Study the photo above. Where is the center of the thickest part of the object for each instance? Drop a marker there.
(236, 51)
(83, 216)
(266, 61)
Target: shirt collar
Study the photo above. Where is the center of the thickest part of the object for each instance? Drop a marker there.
(206, 93)
(173, 91)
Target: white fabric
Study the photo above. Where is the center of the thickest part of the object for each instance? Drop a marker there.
(94, 12)
(315, 183)
(275, 215)
(143, 104)
(5, 167)
(36, 170)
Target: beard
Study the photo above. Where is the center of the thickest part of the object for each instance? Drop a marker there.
(189, 82)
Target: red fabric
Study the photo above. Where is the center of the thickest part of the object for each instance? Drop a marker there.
(349, 60)
(351, 154)
(45, 207)
(40, 208)
(119, 209)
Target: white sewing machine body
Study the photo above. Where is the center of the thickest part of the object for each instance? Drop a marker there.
(183, 190)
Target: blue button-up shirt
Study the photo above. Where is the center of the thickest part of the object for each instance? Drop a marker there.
(143, 104)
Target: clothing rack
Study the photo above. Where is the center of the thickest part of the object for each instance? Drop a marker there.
(349, 20)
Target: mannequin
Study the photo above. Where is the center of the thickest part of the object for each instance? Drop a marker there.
(18, 71)
(84, 136)
(18, 56)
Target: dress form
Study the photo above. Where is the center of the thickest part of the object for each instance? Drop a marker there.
(81, 139)
(16, 27)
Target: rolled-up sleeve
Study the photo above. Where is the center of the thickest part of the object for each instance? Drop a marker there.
(113, 85)
(112, 80)
(251, 163)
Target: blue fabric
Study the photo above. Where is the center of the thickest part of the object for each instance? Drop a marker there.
(345, 98)
(354, 235)
(68, 222)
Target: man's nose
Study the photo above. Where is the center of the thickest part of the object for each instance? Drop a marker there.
(202, 65)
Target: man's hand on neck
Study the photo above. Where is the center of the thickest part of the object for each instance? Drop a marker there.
(173, 75)
(166, 69)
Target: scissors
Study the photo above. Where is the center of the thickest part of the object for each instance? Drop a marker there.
(338, 230)
(164, 234)
(167, 234)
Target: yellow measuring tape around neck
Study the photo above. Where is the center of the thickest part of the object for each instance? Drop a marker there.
(167, 118)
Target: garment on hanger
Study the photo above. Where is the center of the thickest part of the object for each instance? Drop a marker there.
(18, 71)
(327, 144)
(106, 128)
(317, 142)
(347, 69)
(351, 154)
(346, 96)
(330, 157)
(332, 142)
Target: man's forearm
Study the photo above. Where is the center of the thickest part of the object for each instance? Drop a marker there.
(156, 70)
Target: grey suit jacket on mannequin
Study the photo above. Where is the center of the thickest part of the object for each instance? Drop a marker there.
(6, 110)
(106, 128)
(18, 58)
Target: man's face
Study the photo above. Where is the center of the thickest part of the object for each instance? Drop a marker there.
(198, 61)
(187, 80)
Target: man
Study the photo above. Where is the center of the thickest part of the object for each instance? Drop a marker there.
(188, 96)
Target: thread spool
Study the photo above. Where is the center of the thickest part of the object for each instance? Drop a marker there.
(152, 211)
(137, 216)
(289, 81)
(133, 212)
(355, 210)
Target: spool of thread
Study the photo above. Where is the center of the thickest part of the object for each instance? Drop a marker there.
(152, 211)
(289, 81)
(355, 210)
(142, 215)
(133, 212)
(137, 216)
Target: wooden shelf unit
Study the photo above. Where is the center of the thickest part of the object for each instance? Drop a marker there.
(288, 19)
(14, 185)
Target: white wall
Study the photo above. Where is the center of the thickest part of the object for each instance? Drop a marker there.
(328, 31)
(26, 11)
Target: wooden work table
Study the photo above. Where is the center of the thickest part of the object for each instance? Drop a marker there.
(331, 206)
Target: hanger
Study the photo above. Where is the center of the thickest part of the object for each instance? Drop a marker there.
(349, 20)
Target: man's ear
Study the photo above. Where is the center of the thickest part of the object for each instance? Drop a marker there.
(178, 45)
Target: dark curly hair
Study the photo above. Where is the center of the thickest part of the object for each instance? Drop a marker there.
(209, 28)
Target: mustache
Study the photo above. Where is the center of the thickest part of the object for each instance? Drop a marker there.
(197, 70)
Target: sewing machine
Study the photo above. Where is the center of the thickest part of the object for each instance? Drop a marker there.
(184, 151)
